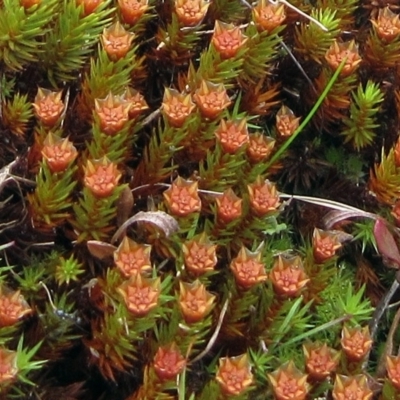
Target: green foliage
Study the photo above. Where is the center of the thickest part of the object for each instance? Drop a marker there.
(240, 308)
(313, 42)
(165, 142)
(261, 52)
(68, 270)
(348, 164)
(214, 69)
(341, 298)
(25, 362)
(59, 321)
(228, 10)
(385, 178)
(221, 170)
(93, 215)
(382, 52)
(114, 147)
(75, 294)
(352, 302)
(51, 200)
(28, 279)
(69, 43)
(364, 232)
(22, 31)
(344, 10)
(107, 76)
(292, 319)
(16, 114)
(177, 41)
(361, 123)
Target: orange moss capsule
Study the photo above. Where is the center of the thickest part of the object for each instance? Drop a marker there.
(48, 107)
(289, 383)
(248, 268)
(268, 16)
(387, 24)
(29, 3)
(13, 307)
(136, 101)
(58, 152)
(229, 207)
(356, 342)
(264, 197)
(260, 147)
(211, 99)
(234, 375)
(195, 301)
(286, 122)
(132, 10)
(338, 52)
(182, 198)
(116, 41)
(101, 177)
(168, 362)
(132, 258)
(325, 244)
(8, 366)
(89, 6)
(321, 360)
(227, 39)
(177, 107)
(393, 370)
(191, 12)
(140, 294)
(287, 276)
(199, 255)
(113, 113)
(351, 387)
(232, 135)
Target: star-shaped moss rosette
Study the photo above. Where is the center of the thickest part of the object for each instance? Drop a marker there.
(289, 383)
(140, 294)
(356, 342)
(132, 10)
(351, 387)
(288, 276)
(182, 198)
(177, 107)
(168, 362)
(48, 107)
(248, 268)
(195, 302)
(227, 39)
(101, 177)
(132, 258)
(211, 99)
(325, 244)
(320, 360)
(192, 12)
(268, 16)
(13, 307)
(112, 113)
(234, 375)
(58, 152)
(116, 41)
(199, 255)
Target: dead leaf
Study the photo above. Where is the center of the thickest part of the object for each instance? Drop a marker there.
(160, 219)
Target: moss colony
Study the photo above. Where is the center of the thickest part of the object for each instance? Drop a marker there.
(199, 199)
